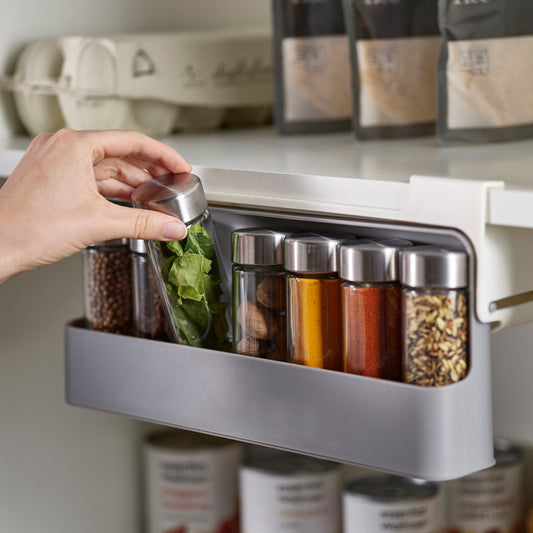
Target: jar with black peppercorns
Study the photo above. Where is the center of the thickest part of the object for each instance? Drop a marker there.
(259, 296)
(148, 314)
(108, 286)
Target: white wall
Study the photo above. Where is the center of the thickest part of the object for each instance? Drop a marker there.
(62, 468)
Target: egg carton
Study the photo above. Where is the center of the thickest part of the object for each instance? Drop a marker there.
(152, 82)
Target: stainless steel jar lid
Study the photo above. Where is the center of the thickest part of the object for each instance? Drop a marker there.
(258, 246)
(312, 253)
(138, 246)
(368, 262)
(390, 488)
(180, 195)
(110, 243)
(431, 266)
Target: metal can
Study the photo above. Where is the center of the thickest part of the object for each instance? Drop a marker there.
(492, 500)
(191, 483)
(283, 492)
(378, 503)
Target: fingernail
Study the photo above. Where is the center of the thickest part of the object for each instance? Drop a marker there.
(174, 231)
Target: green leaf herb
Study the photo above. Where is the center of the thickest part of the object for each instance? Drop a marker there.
(192, 278)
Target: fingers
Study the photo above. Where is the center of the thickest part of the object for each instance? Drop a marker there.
(126, 222)
(128, 143)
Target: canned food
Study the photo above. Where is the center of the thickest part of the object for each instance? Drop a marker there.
(490, 501)
(284, 492)
(191, 483)
(378, 503)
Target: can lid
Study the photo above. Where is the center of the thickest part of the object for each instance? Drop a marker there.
(279, 462)
(179, 439)
(368, 262)
(179, 195)
(431, 266)
(312, 252)
(138, 246)
(258, 246)
(391, 488)
(506, 452)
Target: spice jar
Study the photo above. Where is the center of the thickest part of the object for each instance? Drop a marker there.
(314, 325)
(370, 299)
(435, 315)
(189, 272)
(108, 286)
(148, 315)
(259, 295)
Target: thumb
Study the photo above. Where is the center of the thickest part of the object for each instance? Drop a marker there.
(134, 223)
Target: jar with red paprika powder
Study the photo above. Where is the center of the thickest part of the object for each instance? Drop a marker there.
(370, 300)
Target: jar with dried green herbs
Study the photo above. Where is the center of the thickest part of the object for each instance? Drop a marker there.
(190, 274)
(259, 296)
(435, 334)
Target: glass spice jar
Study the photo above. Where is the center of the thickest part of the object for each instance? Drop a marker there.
(314, 325)
(370, 299)
(108, 286)
(259, 295)
(189, 273)
(148, 315)
(435, 334)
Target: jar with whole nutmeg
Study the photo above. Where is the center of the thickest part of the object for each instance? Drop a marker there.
(108, 286)
(259, 296)
(435, 336)
(314, 300)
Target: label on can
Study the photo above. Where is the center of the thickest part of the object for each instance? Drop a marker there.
(388, 503)
(296, 501)
(490, 500)
(193, 489)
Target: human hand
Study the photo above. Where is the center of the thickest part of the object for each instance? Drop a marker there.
(54, 203)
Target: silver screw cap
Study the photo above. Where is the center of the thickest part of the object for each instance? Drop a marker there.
(258, 246)
(179, 195)
(312, 253)
(368, 262)
(431, 266)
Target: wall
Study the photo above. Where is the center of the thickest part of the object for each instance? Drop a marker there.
(62, 468)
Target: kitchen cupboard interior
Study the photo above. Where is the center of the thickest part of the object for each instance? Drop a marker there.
(77, 466)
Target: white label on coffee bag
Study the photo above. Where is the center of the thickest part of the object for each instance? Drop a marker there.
(489, 82)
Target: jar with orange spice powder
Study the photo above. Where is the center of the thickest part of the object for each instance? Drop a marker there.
(313, 300)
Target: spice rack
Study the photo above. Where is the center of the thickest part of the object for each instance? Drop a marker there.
(409, 189)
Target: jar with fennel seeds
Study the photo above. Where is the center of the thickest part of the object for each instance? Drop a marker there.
(189, 273)
(435, 332)
(259, 295)
(107, 277)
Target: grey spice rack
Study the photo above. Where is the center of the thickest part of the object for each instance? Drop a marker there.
(429, 433)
